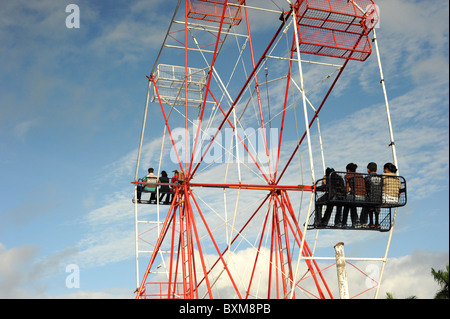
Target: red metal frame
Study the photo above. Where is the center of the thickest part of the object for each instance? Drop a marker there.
(250, 77)
(211, 10)
(280, 226)
(336, 28)
(283, 226)
(161, 290)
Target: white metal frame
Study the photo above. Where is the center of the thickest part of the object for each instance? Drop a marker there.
(298, 60)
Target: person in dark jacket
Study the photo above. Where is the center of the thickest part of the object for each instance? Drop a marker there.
(164, 190)
(374, 186)
(334, 188)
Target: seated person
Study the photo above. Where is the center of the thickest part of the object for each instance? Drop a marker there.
(164, 190)
(373, 184)
(334, 188)
(174, 181)
(391, 184)
(356, 191)
(149, 178)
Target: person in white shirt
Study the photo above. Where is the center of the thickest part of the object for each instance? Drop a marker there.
(149, 178)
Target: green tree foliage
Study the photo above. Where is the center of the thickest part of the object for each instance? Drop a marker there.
(441, 277)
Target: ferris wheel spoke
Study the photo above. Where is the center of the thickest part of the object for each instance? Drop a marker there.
(258, 250)
(239, 234)
(200, 252)
(250, 77)
(207, 85)
(316, 114)
(242, 142)
(286, 96)
(152, 78)
(215, 245)
(291, 223)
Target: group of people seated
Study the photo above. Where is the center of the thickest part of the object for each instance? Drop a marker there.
(368, 191)
(166, 192)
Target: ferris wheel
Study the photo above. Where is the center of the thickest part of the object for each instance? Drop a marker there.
(238, 86)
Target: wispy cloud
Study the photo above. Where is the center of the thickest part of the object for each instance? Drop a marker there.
(22, 129)
(24, 275)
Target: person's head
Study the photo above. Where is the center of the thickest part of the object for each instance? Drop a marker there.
(372, 167)
(175, 172)
(164, 174)
(351, 167)
(389, 168)
(328, 171)
(150, 170)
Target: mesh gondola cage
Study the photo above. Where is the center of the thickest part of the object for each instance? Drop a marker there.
(170, 84)
(373, 190)
(337, 28)
(361, 192)
(211, 10)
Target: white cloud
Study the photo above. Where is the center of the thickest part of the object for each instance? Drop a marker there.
(25, 275)
(138, 29)
(403, 277)
(108, 294)
(412, 33)
(110, 233)
(411, 275)
(13, 263)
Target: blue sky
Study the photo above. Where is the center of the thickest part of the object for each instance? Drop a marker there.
(71, 106)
